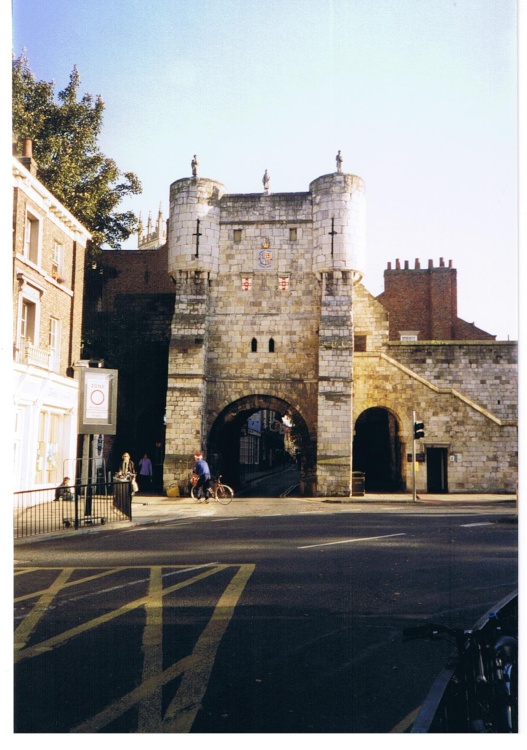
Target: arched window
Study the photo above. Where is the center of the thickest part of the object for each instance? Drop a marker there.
(271, 345)
(254, 345)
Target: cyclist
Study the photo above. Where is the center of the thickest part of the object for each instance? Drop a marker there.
(202, 471)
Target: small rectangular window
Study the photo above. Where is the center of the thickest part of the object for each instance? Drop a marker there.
(247, 283)
(293, 234)
(57, 255)
(359, 343)
(408, 337)
(283, 283)
(31, 238)
(237, 235)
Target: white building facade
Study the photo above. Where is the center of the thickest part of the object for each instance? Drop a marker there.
(49, 247)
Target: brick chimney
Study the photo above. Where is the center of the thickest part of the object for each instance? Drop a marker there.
(27, 157)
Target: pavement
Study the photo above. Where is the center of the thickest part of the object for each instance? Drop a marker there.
(148, 509)
(155, 509)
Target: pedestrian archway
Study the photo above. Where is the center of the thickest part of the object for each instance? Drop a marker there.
(223, 446)
(378, 450)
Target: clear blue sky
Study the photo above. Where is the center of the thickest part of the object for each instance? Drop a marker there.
(419, 95)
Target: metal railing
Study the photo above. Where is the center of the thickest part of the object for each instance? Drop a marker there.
(45, 511)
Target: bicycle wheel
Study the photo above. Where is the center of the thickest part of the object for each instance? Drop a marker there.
(194, 494)
(224, 494)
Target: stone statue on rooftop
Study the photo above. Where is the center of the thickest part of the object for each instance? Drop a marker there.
(194, 164)
(266, 182)
(338, 159)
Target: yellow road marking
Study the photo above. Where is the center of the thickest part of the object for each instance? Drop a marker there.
(149, 717)
(196, 669)
(186, 703)
(29, 623)
(61, 638)
(69, 584)
(405, 723)
(128, 701)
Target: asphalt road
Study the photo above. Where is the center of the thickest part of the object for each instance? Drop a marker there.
(276, 624)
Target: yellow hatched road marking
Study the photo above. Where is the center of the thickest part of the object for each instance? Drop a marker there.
(196, 668)
(69, 584)
(61, 638)
(149, 717)
(186, 703)
(29, 623)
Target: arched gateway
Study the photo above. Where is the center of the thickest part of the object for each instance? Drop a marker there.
(264, 305)
(223, 447)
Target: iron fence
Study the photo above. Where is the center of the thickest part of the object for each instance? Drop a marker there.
(44, 511)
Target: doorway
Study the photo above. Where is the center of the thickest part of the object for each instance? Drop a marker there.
(437, 470)
(377, 450)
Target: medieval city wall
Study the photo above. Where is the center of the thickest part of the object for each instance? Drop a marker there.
(480, 446)
(486, 372)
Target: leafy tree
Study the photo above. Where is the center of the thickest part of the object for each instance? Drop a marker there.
(64, 134)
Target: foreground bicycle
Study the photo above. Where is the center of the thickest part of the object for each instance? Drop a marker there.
(218, 491)
(478, 691)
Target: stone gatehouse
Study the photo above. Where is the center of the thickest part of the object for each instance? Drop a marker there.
(269, 312)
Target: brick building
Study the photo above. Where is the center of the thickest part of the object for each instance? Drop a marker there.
(422, 303)
(48, 261)
(256, 302)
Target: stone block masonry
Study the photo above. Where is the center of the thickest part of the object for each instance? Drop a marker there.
(263, 306)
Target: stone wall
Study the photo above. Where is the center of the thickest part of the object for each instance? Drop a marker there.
(482, 449)
(484, 371)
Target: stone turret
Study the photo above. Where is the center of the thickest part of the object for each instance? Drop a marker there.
(339, 228)
(194, 226)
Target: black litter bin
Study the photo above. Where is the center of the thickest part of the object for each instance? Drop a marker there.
(358, 482)
(122, 496)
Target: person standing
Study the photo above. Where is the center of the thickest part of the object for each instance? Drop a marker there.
(202, 471)
(145, 472)
(127, 467)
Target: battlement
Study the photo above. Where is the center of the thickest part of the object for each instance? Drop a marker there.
(321, 230)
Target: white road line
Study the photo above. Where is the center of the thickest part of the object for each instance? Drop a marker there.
(482, 523)
(348, 541)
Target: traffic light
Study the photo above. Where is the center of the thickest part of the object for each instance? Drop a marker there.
(419, 430)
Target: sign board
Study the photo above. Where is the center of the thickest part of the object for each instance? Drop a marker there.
(98, 401)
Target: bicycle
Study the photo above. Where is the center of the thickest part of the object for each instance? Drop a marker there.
(479, 691)
(218, 491)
